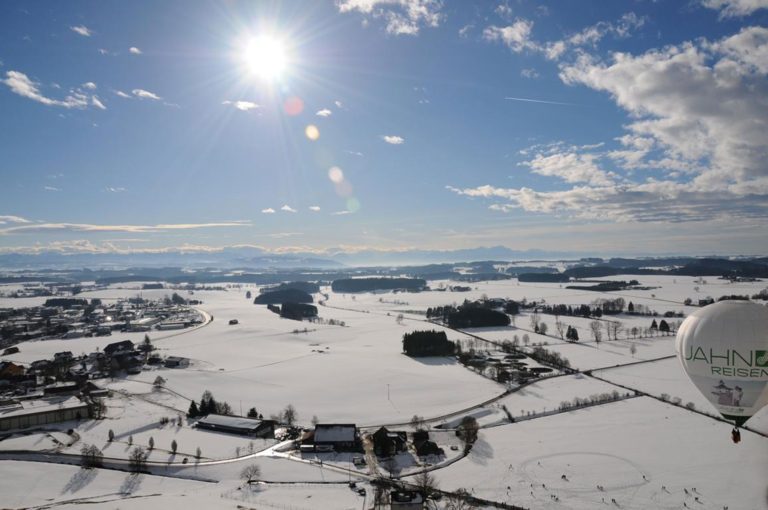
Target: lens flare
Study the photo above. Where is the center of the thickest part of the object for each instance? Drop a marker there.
(312, 132)
(336, 175)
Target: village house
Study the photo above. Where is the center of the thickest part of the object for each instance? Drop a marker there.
(387, 443)
(336, 437)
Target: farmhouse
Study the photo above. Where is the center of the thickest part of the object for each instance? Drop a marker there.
(176, 362)
(118, 347)
(19, 414)
(337, 437)
(9, 369)
(386, 442)
(238, 425)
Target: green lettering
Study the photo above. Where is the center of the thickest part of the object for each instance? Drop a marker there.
(746, 362)
(703, 357)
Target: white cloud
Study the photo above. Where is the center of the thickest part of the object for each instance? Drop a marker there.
(88, 227)
(123, 94)
(325, 112)
(698, 118)
(134, 50)
(104, 51)
(338, 104)
(393, 139)
(341, 213)
(355, 153)
(314, 208)
(735, 8)
(51, 188)
(12, 219)
(529, 73)
(268, 210)
(95, 101)
(145, 94)
(89, 85)
(699, 102)
(503, 10)
(402, 17)
(242, 105)
(516, 36)
(288, 208)
(570, 167)
(22, 85)
(82, 30)
(111, 189)
(465, 30)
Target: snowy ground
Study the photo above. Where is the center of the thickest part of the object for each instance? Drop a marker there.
(21, 486)
(357, 374)
(631, 448)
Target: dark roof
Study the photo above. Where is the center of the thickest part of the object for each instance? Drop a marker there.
(335, 433)
(230, 422)
(119, 346)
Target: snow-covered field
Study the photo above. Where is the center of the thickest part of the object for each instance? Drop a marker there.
(632, 448)
(358, 374)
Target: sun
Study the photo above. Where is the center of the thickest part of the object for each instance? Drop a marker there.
(266, 57)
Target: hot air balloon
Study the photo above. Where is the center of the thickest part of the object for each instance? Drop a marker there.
(723, 348)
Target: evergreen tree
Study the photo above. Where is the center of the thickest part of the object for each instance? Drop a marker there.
(193, 412)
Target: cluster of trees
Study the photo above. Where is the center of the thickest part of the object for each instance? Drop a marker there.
(308, 287)
(283, 296)
(91, 456)
(373, 284)
(298, 311)
(591, 400)
(428, 343)
(544, 277)
(65, 302)
(607, 286)
(543, 355)
(470, 314)
(208, 405)
(175, 299)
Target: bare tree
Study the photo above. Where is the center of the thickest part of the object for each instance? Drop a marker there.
(526, 339)
(597, 334)
(174, 446)
(468, 429)
(608, 328)
(560, 327)
(426, 483)
(417, 422)
(616, 327)
(633, 349)
(399, 318)
(251, 473)
(543, 328)
(289, 415)
(458, 500)
(534, 318)
(151, 443)
(137, 460)
(91, 456)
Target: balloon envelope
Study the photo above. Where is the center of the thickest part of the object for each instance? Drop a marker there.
(723, 348)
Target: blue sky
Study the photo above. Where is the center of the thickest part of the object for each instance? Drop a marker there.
(602, 127)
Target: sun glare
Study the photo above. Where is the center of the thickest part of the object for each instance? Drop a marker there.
(266, 57)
